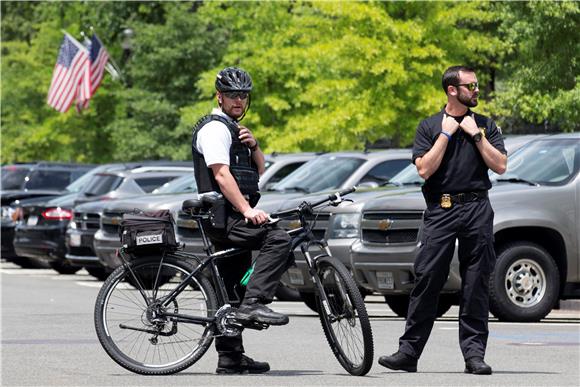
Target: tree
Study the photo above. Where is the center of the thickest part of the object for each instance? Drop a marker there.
(331, 76)
(540, 76)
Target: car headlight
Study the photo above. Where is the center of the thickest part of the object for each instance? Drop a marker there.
(345, 226)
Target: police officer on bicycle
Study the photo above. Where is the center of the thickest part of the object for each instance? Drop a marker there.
(453, 151)
(228, 160)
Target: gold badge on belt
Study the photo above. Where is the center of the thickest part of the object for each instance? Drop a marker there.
(446, 201)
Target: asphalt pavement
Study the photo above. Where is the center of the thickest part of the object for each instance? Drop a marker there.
(48, 339)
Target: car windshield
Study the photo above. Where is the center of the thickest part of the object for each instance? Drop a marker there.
(47, 179)
(102, 184)
(545, 162)
(323, 173)
(81, 182)
(184, 184)
(408, 176)
(13, 177)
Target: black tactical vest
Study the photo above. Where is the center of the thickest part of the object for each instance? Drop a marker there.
(242, 166)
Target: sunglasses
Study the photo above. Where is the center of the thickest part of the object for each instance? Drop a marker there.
(470, 86)
(236, 94)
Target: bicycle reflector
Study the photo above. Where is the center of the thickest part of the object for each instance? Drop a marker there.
(57, 214)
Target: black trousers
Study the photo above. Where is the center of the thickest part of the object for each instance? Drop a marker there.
(271, 262)
(472, 224)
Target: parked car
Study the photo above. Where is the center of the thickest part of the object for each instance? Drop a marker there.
(41, 232)
(93, 237)
(106, 239)
(536, 231)
(31, 180)
(339, 226)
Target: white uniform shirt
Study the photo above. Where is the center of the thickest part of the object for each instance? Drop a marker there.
(214, 141)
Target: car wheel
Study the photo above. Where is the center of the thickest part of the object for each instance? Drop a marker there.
(399, 304)
(525, 283)
(64, 267)
(285, 293)
(98, 272)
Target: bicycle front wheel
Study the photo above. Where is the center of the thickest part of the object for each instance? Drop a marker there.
(344, 317)
(130, 317)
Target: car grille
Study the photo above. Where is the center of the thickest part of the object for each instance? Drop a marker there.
(83, 251)
(87, 221)
(187, 227)
(390, 227)
(111, 222)
(320, 226)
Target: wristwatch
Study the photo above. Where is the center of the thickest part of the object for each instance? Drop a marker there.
(477, 137)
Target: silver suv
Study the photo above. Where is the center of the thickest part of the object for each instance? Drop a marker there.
(536, 231)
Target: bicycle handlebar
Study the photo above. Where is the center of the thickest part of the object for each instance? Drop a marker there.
(335, 197)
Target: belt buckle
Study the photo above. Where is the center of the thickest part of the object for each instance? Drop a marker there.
(445, 201)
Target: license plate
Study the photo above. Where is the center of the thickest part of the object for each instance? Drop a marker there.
(32, 220)
(149, 239)
(295, 276)
(385, 280)
(75, 240)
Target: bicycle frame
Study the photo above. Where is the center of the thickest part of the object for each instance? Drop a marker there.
(301, 236)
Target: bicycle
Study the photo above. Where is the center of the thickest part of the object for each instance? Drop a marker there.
(159, 315)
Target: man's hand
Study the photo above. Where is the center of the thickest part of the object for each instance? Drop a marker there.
(247, 137)
(469, 126)
(449, 124)
(256, 216)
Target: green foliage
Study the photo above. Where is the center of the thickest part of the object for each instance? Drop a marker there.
(331, 76)
(543, 67)
(327, 75)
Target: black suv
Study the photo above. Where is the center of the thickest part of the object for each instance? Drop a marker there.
(30, 180)
(40, 233)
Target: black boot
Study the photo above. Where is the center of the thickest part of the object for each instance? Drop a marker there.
(476, 365)
(252, 310)
(245, 364)
(399, 361)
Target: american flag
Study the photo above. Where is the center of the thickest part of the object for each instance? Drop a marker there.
(99, 57)
(71, 76)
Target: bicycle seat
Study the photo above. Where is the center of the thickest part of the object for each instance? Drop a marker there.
(202, 204)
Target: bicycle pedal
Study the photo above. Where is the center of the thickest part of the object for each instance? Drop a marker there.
(254, 325)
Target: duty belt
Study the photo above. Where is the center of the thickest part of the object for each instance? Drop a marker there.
(446, 200)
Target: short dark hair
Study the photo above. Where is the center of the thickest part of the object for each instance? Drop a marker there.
(451, 76)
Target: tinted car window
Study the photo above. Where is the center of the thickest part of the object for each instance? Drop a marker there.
(180, 185)
(148, 184)
(408, 176)
(284, 171)
(101, 184)
(322, 173)
(549, 162)
(40, 179)
(385, 171)
(13, 177)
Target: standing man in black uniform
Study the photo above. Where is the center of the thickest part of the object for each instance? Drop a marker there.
(228, 161)
(453, 151)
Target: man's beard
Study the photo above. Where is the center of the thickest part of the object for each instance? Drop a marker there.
(467, 101)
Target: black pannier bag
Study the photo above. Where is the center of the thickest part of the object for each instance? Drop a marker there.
(145, 233)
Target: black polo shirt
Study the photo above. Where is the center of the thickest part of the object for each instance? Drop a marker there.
(462, 168)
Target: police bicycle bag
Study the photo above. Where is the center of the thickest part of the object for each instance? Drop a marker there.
(145, 233)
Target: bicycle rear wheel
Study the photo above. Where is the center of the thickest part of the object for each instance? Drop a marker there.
(134, 331)
(344, 318)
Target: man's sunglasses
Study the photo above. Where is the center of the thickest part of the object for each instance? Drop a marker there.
(470, 86)
(236, 94)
